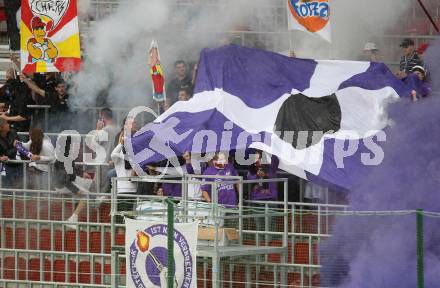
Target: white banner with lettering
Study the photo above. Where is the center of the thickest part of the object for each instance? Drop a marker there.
(147, 254)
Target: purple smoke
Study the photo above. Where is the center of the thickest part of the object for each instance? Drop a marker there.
(380, 251)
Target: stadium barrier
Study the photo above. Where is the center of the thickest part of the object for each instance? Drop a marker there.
(39, 247)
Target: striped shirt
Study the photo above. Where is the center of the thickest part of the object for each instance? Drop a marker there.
(409, 62)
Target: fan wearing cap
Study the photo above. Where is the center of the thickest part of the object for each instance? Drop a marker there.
(370, 53)
(259, 170)
(226, 192)
(39, 46)
(421, 88)
(409, 59)
(416, 81)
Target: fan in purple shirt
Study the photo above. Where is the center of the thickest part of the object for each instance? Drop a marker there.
(173, 189)
(258, 170)
(226, 192)
(417, 81)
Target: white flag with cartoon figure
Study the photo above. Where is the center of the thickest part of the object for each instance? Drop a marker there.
(147, 254)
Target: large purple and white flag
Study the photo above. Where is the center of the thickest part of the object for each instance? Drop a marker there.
(324, 120)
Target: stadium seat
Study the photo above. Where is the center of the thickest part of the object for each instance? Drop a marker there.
(316, 280)
(20, 238)
(104, 213)
(276, 258)
(294, 280)
(98, 273)
(84, 272)
(83, 241)
(122, 268)
(93, 216)
(59, 271)
(45, 239)
(265, 279)
(34, 269)
(56, 208)
(201, 280)
(31, 209)
(19, 209)
(418, 27)
(95, 242)
(9, 268)
(238, 276)
(7, 211)
(120, 239)
(70, 241)
(32, 239)
(302, 253)
(44, 209)
(309, 223)
(280, 223)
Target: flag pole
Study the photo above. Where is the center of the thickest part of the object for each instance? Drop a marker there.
(429, 16)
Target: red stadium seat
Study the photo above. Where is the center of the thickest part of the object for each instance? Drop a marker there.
(83, 241)
(20, 238)
(7, 209)
(58, 240)
(31, 209)
(59, 271)
(122, 269)
(418, 27)
(95, 242)
(316, 280)
(44, 209)
(33, 237)
(238, 276)
(104, 213)
(45, 239)
(120, 239)
(19, 209)
(107, 269)
(70, 241)
(35, 268)
(98, 273)
(93, 216)
(309, 223)
(294, 280)
(9, 268)
(56, 208)
(107, 243)
(302, 253)
(84, 272)
(265, 278)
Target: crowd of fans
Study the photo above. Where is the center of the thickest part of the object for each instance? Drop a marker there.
(52, 90)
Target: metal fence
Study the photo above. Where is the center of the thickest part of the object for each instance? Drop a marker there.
(40, 247)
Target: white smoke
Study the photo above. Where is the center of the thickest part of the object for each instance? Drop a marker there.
(116, 46)
(353, 24)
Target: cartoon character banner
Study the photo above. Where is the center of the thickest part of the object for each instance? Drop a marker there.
(147, 260)
(156, 72)
(49, 36)
(310, 15)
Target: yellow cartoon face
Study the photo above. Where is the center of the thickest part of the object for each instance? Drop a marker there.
(39, 32)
